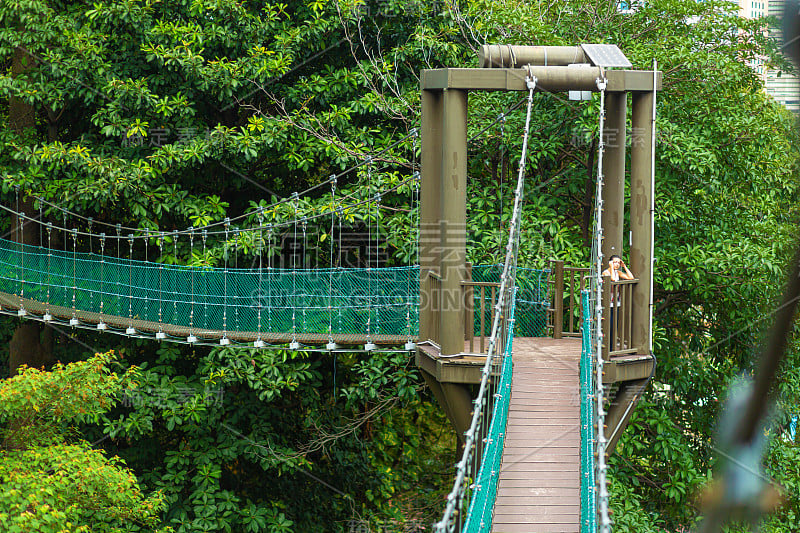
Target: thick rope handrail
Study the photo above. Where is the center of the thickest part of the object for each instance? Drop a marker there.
(602, 442)
(588, 492)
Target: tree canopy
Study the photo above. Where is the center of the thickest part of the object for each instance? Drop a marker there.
(164, 115)
(53, 481)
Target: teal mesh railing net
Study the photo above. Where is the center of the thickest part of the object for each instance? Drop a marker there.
(484, 494)
(587, 494)
(532, 301)
(378, 301)
(383, 301)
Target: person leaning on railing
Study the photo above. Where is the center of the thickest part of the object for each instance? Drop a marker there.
(617, 270)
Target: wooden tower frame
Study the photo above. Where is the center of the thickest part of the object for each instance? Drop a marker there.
(443, 268)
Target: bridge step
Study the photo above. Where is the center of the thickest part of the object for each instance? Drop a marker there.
(538, 490)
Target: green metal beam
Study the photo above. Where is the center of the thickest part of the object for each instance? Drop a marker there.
(550, 79)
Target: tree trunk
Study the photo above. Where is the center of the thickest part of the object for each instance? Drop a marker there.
(32, 343)
(21, 115)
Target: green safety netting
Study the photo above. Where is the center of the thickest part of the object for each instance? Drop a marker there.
(484, 493)
(588, 495)
(532, 301)
(379, 301)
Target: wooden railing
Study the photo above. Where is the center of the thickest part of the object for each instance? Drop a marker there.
(564, 317)
(433, 289)
(567, 284)
(617, 327)
(469, 314)
(487, 296)
(484, 318)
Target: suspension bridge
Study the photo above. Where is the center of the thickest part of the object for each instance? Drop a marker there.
(521, 360)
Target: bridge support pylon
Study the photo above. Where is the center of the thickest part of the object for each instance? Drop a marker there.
(448, 368)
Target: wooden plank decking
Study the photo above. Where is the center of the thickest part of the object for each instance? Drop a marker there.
(538, 490)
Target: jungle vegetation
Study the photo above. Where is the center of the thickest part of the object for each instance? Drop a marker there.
(163, 115)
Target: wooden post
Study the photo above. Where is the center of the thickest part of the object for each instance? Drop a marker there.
(558, 300)
(430, 207)
(469, 308)
(483, 314)
(606, 325)
(453, 244)
(614, 174)
(641, 220)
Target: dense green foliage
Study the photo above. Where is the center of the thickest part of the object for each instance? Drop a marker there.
(53, 481)
(277, 441)
(171, 114)
(166, 115)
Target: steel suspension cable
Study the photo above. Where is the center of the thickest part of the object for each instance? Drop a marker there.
(192, 338)
(66, 252)
(160, 333)
(74, 320)
(146, 233)
(294, 345)
(102, 325)
(204, 235)
(146, 293)
(377, 258)
(369, 345)
(303, 279)
(258, 343)
(22, 311)
(235, 278)
(130, 329)
(118, 290)
(269, 277)
(415, 220)
(47, 316)
(175, 279)
(224, 341)
(602, 442)
(331, 345)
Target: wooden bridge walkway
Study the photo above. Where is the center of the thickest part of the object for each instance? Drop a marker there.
(539, 486)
